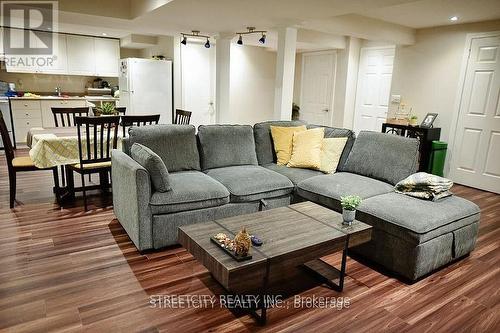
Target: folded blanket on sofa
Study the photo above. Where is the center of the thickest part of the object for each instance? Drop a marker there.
(425, 186)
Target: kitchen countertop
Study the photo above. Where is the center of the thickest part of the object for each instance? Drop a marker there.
(101, 98)
(47, 97)
(94, 98)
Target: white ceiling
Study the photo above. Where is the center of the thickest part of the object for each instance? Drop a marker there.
(214, 16)
(209, 16)
(379, 20)
(431, 13)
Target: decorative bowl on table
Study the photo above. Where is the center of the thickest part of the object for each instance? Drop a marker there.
(238, 248)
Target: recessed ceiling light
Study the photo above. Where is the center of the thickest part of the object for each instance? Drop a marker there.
(454, 18)
(104, 34)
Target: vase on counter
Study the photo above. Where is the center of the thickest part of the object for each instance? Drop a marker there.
(348, 216)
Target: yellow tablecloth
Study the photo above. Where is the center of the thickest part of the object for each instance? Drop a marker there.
(55, 146)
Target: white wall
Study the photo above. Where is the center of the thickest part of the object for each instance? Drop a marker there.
(426, 74)
(253, 72)
(165, 47)
(252, 78)
(130, 53)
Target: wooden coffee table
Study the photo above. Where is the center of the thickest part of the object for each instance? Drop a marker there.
(297, 235)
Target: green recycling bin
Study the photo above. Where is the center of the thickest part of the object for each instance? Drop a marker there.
(438, 157)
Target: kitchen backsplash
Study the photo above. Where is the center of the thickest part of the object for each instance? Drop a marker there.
(45, 83)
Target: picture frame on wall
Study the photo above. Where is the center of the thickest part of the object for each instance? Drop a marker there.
(429, 120)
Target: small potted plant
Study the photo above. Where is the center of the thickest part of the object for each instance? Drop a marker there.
(106, 109)
(349, 204)
(413, 120)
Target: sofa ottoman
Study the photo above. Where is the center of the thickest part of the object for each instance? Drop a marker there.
(410, 236)
(413, 237)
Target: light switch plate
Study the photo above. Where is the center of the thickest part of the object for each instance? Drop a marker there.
(395, 99)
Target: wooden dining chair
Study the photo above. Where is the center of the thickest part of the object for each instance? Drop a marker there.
(19, 164)
(129, 121)
(65, 117)
(182, 117)
(97, 136)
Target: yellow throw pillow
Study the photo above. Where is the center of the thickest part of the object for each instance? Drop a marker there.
(282, 139)
(306, 152)
(331, 150)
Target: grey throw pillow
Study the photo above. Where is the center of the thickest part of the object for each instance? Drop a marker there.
(154, 164)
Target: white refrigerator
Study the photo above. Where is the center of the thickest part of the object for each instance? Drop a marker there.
(146, 87)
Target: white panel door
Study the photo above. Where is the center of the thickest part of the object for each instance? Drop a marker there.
(373, 89)
(197, 71)
(318, 82)
(476, 153)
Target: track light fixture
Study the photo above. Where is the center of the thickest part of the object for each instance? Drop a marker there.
(195, 34)
(262, 39)
(251, 30)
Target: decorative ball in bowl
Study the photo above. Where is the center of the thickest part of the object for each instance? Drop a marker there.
(242, 243)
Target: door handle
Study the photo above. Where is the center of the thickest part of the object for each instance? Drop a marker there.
(326, 110)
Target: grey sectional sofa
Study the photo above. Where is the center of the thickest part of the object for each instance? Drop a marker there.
(227, 170)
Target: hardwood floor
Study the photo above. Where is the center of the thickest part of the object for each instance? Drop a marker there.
(73, 271)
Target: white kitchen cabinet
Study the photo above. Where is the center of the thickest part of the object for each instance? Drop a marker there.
(73, 55)
(39, 63)
(107, 57)
(60, 58)
(45, 64)
(25, 63)
(80, 51)
(26, 114)
(47, 105)
(29, 113)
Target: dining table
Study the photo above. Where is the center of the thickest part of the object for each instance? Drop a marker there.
(58, 147)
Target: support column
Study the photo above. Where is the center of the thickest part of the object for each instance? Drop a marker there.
(177, 73)
(285, 69)
(354, 48)
(222, 78)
